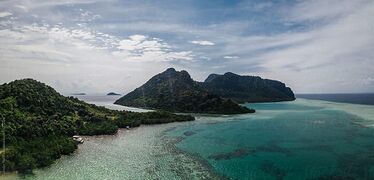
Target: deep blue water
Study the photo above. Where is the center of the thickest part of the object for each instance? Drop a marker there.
(345, 98)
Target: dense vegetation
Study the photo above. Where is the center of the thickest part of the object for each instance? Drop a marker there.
(178, 92)
(247, 88)
(39, 123)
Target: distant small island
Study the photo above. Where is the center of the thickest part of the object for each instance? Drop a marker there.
(113, 94)
(78, 94)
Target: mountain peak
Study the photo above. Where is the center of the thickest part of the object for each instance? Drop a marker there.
(230, 74)
(170, 70)
(172, 76)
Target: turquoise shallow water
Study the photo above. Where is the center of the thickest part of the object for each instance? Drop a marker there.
(288, 140)
(304, 139)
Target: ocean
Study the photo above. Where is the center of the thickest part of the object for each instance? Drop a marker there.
(363, 98)
(305, 139)
(302, 139)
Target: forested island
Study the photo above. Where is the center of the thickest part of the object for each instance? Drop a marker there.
(39, 123)
(176, 91)
(244, 89)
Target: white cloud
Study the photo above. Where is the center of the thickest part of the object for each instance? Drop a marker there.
(69, 57)
(322, 9)
(317, 60)
(5, 14)
(140, 42)
(137, 37)
(142, 48)
(86, 16)
(66, 67)
(367, 81)
(231, 57)
(326, 47)
(346, 38)
(203, 43)
(134, 48)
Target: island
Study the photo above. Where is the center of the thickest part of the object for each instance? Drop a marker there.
(41, 125)
(176, 91)
(113, 94)
(78, 94)
(244, 89)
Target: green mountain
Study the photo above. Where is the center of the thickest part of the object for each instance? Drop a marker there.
(177, 92)
(39, 123)
(247, 88)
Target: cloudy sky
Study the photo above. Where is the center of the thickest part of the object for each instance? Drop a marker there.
(94, 46)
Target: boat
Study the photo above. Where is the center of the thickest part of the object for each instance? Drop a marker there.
(78, 139)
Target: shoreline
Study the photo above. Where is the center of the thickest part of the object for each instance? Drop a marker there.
(169, 160)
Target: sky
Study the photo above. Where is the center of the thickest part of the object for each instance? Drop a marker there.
(99, 46)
